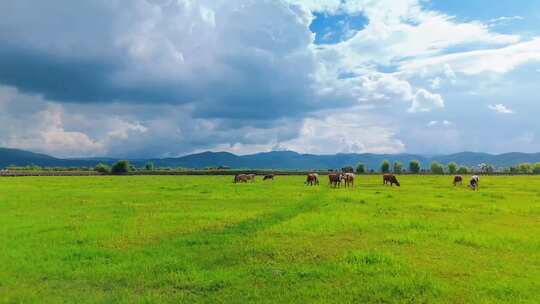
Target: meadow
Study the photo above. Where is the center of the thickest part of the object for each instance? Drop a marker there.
(203, 239)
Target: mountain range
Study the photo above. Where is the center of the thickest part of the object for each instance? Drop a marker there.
(272, 160)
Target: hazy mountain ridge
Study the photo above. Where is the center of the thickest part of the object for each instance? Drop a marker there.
(273, 160)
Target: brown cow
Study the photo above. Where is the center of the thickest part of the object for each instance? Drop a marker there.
(251, 177)
(240, 178)
(458, 179)
(334, 179)
(312, 179)
(349, 179)
(390, 179)
(268, 176)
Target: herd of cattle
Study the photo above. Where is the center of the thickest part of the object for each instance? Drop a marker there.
(347, 179)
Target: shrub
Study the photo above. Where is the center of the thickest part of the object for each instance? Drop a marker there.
(121, 167)
(102, 168)
(414, 166)
(360, 168)
(436, 168)
(385, 166)
(452, 167)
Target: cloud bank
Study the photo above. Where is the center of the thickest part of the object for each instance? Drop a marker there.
(164, 78)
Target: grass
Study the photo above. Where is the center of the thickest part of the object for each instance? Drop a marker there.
(205, 240)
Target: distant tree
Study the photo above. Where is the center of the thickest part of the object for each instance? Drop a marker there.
(414, 166)
(436, 168)
(524, 168)
(486, 168)
(102, 168)
(385, 166)
(452, 167)
(462, 170)
(513, 169)
(536, 168)
(361, 168)
(398, 167)
(149, 166)
(121, 167)
(347, 169)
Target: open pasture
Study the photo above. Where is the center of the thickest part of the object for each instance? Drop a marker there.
(203, 239)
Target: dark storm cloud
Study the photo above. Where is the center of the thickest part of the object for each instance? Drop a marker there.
(77, 80)
(248, 60)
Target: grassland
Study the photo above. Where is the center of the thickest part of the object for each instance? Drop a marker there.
(205, 240)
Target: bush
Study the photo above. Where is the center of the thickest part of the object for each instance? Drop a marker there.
(121, 167)
(414, 166)
(452, 167)
(385, 166)
(398, 168)
(102, 168)
(436, 168)
(360, 168)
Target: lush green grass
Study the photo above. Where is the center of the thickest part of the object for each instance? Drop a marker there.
(204, 239)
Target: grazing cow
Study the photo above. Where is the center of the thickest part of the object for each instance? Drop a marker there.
(349, 179)
(268, 176)
(473, 183)
(390, 179)
(312, 179)
(251, 177)
(241, 178)
(458, 179)
(334, 179)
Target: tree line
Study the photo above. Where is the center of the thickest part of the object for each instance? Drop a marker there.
(415, 167)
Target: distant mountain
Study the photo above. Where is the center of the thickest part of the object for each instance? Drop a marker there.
(16, 157)
(293, 160)
(273, 160)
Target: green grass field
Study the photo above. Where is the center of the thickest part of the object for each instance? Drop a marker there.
(203, 239)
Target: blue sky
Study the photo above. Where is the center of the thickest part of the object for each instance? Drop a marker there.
(147, 78)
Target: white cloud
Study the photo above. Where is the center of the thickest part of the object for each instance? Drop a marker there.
(354, 132)
(436, 83)
(503, 20)
(495, 60)
(500, 108)
(424, 101)
(48, 134)
(434, 123)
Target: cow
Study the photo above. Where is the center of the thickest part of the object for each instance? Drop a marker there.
(312, 179)
(240, 178)
(334, 179)
(268, 176)
(390, 179)
(458, 179)
(474, 181)
(251, 177)
(349, 179)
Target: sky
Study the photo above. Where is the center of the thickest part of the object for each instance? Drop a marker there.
(164, 78)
